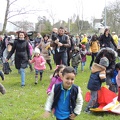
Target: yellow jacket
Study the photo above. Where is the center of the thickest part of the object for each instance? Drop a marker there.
(115, 38)
(94, 46)
(84, 40)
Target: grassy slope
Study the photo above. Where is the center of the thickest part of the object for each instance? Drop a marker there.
(28, 103)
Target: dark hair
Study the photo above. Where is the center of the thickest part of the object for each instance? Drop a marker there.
(46, 35)
(106, 30)
(61, 28)
(117, 66)
(18, 33)
(94, 38)
(58, 69)
(68, 69)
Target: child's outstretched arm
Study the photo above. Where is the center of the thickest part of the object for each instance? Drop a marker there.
(51, 85)
(79, 104)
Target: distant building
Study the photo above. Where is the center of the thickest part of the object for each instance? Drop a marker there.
(97, 24)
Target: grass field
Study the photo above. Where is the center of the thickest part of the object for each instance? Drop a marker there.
(28, 103)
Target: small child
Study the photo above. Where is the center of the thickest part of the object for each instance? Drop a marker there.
(65, 97)
(54, 34)
(83, 53)
(56, 78)
(76, 58)
(39, 64)
(118, 83)
(98, 75)
(113, 79)
(55, 39)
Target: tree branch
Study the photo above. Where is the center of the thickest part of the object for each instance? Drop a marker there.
(12, 2)
(14, 24)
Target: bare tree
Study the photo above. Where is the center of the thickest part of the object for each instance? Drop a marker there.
(24, 25)
(113, 16)
(9, 13)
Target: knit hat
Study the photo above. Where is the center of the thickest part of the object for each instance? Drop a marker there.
(76, 48)
(104, 62)
(83, 46)
(37, 50)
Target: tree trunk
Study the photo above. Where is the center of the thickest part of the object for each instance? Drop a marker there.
(6, 16)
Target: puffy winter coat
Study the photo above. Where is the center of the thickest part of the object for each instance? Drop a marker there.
(22, 53)
(97, 76)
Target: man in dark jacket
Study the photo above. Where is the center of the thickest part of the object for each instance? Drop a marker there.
(63, 43)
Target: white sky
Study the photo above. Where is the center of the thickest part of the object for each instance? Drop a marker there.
(62, 9)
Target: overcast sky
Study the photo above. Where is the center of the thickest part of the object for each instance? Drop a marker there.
(62, 9)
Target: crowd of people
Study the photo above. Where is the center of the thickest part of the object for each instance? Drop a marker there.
(67, 52)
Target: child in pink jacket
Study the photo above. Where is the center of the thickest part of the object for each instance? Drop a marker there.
(39, 64)
(56, 77)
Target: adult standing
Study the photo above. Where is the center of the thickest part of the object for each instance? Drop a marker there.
(85, 42)
(46, 50)
(37, 40)
(115, 38)
(70, 49)
(22, 55)
(63, 43)
(106, 40)
(111, 56)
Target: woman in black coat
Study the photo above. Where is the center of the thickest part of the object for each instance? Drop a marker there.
(106, 40)
(22, 55)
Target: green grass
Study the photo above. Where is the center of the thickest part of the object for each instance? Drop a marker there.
(28, 103)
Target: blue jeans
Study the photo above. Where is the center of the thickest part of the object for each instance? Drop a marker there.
(93, 99)
(22, 73)
(61, 58)
(75, 68)
(82, 66)
(38, 71)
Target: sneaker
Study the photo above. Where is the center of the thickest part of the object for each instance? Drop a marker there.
(36, 82)
(22, 86)
(87, 110)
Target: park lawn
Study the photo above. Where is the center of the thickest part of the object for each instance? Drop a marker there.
(28, 103)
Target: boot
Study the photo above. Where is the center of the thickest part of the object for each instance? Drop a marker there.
(40, 77)
(36, 80)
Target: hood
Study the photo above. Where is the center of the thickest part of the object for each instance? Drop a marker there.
(97, 68)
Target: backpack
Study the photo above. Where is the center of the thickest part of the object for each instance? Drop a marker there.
(6, 68)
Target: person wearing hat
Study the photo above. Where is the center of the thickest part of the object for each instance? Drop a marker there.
(98, 75)
(39, 64)
(76, 58)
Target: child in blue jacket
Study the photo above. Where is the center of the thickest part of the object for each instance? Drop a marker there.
(113, 79)
(98, 75)
(65, 97)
